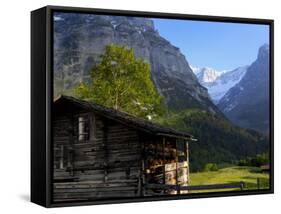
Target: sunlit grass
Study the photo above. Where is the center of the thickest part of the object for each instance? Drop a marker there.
(249, 175)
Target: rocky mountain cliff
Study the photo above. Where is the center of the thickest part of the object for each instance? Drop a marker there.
(247, 103)
(79, 40)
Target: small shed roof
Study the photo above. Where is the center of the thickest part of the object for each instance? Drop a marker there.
(122, 117)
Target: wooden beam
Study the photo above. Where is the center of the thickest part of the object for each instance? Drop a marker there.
(105, 134)
(142, 168)
(177, 159)
(70, 153)
(61, 156)
(163, 154)
(174, 136)
(92, 127)
(187, 160)
(238, 185)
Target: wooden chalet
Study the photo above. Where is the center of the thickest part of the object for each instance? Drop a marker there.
(100, 152)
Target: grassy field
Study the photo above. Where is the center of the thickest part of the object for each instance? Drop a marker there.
(248, 175)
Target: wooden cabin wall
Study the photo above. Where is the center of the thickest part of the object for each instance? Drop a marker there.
(108, 165)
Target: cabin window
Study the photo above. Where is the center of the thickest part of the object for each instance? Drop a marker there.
(83, 128)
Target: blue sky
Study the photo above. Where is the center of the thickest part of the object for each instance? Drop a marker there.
(222, 46)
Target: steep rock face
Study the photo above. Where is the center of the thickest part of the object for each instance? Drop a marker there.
(79, 40)
(247, 103)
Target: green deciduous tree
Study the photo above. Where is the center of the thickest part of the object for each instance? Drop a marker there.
(210, 167)
(122, 82)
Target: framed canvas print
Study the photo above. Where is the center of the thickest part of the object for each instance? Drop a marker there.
(134, 106)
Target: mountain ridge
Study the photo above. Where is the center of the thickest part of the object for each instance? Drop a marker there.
(80, 40)
(247, 103)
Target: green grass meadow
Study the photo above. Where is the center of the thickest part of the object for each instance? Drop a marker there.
(249, 175)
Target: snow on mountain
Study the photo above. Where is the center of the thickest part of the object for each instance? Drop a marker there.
(219, 82)
(207, 75)
(195, 70)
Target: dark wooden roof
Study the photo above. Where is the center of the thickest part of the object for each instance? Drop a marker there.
(122, 117)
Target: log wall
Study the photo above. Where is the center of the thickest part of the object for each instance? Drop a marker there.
(107, 165)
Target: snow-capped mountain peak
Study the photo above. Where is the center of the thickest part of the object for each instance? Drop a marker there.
(207, 75)
(219, 82)
(195, 70)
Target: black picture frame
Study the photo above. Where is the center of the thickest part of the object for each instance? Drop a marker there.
(42, 93)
